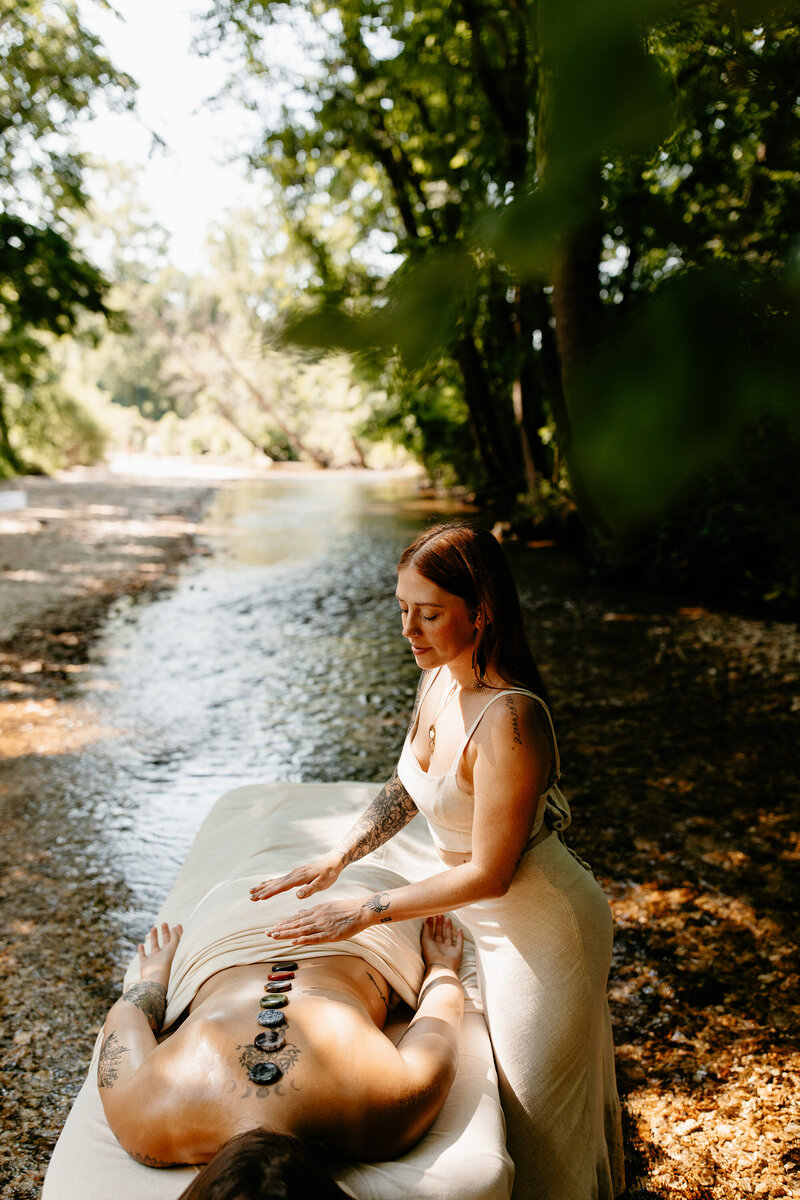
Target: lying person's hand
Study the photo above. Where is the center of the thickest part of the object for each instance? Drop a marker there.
(441, 943)
(313, 877)
(155, 963)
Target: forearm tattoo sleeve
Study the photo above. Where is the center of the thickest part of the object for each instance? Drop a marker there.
(389, 812)
(151, 998)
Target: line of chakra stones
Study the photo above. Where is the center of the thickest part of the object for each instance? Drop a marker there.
(273, 1036)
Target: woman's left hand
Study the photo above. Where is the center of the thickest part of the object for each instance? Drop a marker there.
(332, 922)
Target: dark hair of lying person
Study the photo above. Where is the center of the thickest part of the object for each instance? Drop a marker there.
(260, 1165)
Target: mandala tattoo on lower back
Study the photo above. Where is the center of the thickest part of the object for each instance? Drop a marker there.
(108, 1063)
(285, 1058)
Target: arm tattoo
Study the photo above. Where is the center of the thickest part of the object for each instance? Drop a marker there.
(512, 708)
(544, 724)
(378, 904)
(108, 1063)
(151, 998)
(389, 812)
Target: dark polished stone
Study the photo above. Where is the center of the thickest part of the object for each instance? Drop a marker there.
(275, 988)
(290, 966)
(271, 1018)
(270, 1039)
(273, 1001)
(281, 975)
(264, 1072)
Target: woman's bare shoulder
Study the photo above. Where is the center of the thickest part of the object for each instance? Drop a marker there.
(518, 725)
(513, 712)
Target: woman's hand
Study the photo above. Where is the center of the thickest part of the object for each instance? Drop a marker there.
(313, 877)
(442, 944)
(155, 963)
(332, 922)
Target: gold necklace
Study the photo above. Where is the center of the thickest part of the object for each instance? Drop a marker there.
(439, 711)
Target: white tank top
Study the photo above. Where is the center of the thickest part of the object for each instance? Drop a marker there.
(448, 810)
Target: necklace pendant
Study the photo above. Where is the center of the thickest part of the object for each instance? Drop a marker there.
(431, 738)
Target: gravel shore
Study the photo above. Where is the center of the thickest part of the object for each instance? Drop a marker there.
(80, 542)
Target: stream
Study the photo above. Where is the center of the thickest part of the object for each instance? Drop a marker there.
(277, 657)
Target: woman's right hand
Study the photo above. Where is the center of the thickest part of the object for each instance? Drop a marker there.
(313, 877)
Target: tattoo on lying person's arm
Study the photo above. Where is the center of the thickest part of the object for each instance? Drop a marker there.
(109, 1061)
(151, 999)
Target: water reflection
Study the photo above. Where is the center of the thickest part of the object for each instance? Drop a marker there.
(277, 658)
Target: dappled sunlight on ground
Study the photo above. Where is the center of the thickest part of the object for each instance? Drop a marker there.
(677, 728)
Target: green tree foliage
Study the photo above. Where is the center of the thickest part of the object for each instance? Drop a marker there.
(51, 66)
(198, 359)
(594, 212)
(415, 121)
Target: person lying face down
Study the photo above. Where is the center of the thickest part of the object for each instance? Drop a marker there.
(277, 1070)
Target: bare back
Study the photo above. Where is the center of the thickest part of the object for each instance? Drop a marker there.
(341, 1083)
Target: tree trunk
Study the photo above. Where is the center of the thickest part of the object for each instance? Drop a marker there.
(578, 318)
(576, 286)
(499, 456)
(530, 387)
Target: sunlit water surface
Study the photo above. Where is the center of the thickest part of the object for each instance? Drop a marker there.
(277, 657)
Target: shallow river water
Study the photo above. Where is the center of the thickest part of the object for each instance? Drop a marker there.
(278, 656)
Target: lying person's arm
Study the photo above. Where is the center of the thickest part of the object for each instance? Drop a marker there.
(129, 1039)
(429, 1047)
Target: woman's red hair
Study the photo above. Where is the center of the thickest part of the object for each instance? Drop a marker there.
(467, 561)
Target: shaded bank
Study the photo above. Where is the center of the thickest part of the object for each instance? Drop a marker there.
(677, 729)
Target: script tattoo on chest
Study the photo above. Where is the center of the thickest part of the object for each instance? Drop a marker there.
(108, 1063)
